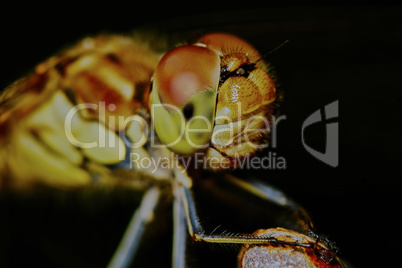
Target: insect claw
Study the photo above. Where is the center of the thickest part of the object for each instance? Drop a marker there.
(326, 255)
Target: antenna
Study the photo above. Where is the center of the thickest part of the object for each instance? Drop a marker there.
(273, 50)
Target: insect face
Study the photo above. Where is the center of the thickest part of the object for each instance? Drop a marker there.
(245, 93)
(221, 80)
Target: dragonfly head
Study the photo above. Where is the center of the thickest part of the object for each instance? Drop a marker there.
(215, 93)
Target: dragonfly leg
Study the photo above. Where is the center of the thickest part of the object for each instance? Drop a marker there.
(179, 230)
(270, 193)
(198, 234)
(128, 246)
(274, 238)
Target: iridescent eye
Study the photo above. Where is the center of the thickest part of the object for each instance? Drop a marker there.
(185, 71)
(183, 98)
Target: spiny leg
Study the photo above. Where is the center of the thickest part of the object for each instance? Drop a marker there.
(179, 230)
(198, 234)
(326, 253)
(270, 193)
(128, 246)
(267, 192)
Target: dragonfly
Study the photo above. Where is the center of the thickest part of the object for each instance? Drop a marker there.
(111, 111)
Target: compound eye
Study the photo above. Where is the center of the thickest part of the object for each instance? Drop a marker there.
(185, 71)
(183, 98)
(224, 43)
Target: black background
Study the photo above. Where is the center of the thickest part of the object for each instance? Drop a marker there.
(345, 52)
